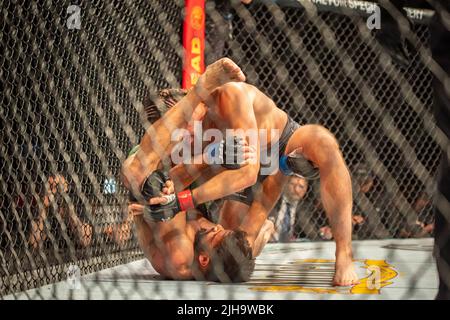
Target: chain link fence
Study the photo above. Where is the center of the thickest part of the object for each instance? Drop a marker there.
(74, 78)
(325, 67)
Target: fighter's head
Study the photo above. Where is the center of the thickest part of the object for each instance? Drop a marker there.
(222, 255)
(156, 107)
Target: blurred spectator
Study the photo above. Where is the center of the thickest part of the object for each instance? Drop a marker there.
(219, 28)
(57, 221)
(370, 205)
(374, 213)
(424, 209)
(119, 232)
(285, 212)
(424, 225)
(390, 36)
(326, 233)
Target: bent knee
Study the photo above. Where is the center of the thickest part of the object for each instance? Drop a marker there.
(318, 144)
(323, 138)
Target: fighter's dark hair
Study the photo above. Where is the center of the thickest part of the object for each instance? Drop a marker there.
(156, 105)
(230, 261)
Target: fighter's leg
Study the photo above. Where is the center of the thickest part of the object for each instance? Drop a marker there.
(319, 146)
(232, 213)
(252, 217)
(217, 74)
(259, 229)
(157, 137)
(264, 199)
(156, 142)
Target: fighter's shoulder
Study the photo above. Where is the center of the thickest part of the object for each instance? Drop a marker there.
(179, 257)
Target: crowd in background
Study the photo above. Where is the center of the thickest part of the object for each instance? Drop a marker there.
(50, 219)
(299, 214)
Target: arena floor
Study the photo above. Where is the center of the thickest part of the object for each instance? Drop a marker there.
(301, 270)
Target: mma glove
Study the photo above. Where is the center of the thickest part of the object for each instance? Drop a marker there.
(229, 154)
(151, 188)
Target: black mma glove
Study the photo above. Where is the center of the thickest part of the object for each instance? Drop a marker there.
(151, 188)
(228, 155)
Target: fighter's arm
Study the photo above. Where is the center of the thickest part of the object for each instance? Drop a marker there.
(236, 109)
(143, 230)
(184, 174)
(253, 220)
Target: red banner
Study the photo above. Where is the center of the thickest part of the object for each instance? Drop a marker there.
(193, 42)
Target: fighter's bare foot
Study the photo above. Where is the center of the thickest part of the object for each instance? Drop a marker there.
(344, 273)
(216, 74)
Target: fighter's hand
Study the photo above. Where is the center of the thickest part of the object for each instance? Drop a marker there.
(326, 233)
(169, 205)
(249, 154)
(163, 198)
(345, 274)
(357, 219)
(168, 188)
(232, 154)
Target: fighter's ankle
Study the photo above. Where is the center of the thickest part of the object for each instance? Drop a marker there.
(344, 254)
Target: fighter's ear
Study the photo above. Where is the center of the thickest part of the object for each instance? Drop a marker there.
(203, 259)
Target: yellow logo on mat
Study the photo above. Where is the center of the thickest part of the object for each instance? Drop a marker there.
(314, 276)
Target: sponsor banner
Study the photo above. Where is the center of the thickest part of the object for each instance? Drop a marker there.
(193, 42)
(421, 16)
